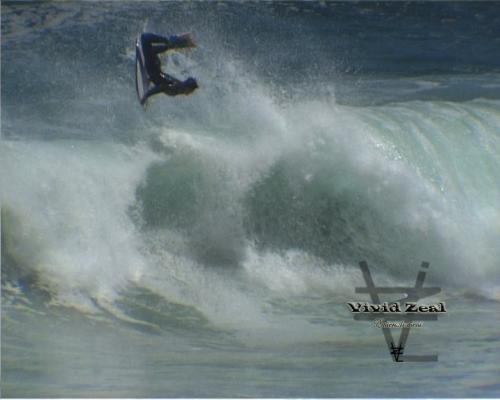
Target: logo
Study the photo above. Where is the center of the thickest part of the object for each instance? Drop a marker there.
(396, 315)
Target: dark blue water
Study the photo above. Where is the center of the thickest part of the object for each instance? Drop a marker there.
(296, 48)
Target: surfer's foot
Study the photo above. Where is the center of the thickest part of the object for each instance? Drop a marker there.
(185, 40)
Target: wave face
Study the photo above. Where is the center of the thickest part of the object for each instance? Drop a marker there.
(241, 169)
(317, 139)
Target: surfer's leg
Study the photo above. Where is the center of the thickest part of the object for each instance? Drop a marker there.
(155, 43)
(159, 44)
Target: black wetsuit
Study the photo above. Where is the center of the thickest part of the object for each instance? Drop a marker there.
(152, 45)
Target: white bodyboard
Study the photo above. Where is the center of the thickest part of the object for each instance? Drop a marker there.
(142, 82)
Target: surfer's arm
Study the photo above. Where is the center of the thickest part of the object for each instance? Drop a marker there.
(167, 86)
(172, 87)
(151, 92)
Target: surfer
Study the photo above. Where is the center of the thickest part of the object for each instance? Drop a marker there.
(152, 45)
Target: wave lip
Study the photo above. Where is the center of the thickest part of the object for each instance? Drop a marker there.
(347, 184)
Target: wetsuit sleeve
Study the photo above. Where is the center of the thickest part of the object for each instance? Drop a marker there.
(151, 92)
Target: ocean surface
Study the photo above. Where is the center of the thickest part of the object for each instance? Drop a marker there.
(206, 246)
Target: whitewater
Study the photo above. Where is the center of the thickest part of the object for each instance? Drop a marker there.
(207, 245)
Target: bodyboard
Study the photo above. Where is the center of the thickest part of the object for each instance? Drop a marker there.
(142, 82)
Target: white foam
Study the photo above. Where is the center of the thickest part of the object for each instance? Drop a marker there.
(72, 199)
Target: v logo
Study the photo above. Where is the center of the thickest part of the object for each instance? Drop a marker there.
(413, 294)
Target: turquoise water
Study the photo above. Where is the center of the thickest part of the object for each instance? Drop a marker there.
(70, 355)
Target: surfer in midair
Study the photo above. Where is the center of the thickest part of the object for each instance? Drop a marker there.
(152, 46)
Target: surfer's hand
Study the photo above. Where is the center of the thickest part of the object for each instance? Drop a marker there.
(186, 41)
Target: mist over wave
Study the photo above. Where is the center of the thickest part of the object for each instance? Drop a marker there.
(206, 246)
(247, 191)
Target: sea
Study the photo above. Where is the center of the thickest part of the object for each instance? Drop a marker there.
(208, 245)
